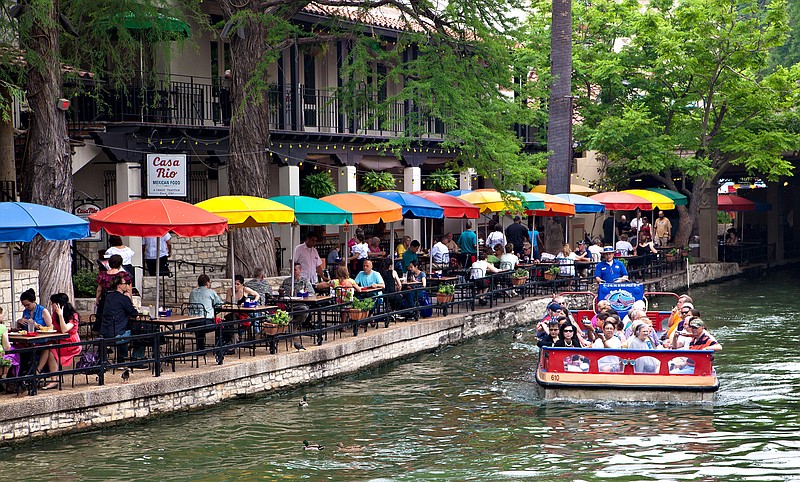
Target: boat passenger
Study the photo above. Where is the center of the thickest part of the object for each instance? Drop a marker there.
(676, 315)
(567, 338)
(553, 311)
(607, 339)
(603, 306)
(550, 338)
(641, 341)
(682, 336)
(619, 327)
(701, 338)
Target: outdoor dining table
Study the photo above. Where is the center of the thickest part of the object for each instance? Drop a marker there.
(28, 360)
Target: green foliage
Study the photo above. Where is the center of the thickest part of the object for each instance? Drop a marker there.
(280, 318)
(521, 273)
(446, 289)
(85, 283)
(723, 217)
(363, 305)
(377, 181)
(318, 185)
(441, 180)
(553, 270)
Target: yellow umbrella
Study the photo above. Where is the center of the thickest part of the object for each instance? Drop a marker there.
(659, 201)
(487, 200)
(573, 189)
(246, 212)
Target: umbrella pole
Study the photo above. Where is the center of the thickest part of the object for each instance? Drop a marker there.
(233, 264)
(614, 232)
(158, 275)
(291, 259)
(13, 304)
(391, 242)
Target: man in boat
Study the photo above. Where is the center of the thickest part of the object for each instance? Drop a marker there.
(701, 338)
(677, 315)
(610, 270)
(551, 337)
(554, 310)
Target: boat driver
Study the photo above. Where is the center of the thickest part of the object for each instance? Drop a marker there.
(610, 270)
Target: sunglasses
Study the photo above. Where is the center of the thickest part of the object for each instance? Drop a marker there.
(685, 312)
(567, 331)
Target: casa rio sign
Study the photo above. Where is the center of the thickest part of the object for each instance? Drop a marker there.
(166, 175)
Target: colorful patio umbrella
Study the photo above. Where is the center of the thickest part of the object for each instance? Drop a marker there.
(246, 212)
(554, 206)
(153, 218)
(530, 201)
(573, 189)
(366, 209)
(21, 222)
(621, 201)
(678, 198)
(732, 202)
(414, 207)
(309, 211)
(458, 192)
(487, 200)
(583, 205)
(659, 201)
(453, 207)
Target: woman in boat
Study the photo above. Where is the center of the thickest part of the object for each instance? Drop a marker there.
(603, 306)
(567, 337)
(641, 341)
(607, 339)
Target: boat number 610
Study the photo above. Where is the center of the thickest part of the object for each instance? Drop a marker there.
(554, 377)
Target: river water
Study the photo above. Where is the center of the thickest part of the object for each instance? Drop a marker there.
(470, 412)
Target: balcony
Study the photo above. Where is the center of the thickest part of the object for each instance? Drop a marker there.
(205, 102)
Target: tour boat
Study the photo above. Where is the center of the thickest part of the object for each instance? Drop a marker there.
(627, 375)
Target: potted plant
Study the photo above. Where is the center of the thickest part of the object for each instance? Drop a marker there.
(377, 181)
(360, 309)
(318, 185)
(446, 293)
(670, 256)
(441, 180)
(519, 277)
(278, 323)
(551, 273)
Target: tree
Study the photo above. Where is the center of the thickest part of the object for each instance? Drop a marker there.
(687, 97)
(47, 41)
(453, 63)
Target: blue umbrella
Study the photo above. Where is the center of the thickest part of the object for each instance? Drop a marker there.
(414, 207)
(21, 222)
(458, 192)
(583, 204)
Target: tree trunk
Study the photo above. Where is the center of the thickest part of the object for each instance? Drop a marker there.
(553, 235)
(249, 161)
(690, 214)
(47, 166)
(559, 124)
(8, 171)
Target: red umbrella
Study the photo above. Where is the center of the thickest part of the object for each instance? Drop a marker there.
(453, 206)
(731, 202)
(622, 201)
(155, 217)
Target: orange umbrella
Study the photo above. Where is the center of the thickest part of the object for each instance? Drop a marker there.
(554, 206)
(366, 209)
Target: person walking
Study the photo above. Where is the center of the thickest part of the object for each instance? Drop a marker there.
(468, 244)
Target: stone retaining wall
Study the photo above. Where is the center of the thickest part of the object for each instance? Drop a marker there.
(49, 414)
(23, 280)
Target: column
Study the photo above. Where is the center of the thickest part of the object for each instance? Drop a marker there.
(775, 219)
(347, 179)
(412, 181)
(465, 179)
(129, 187)
(288, 185)
(708, 224)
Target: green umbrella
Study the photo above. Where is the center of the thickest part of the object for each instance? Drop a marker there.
(147, 23)
(314, 212)
(676, 197)
(529, 201)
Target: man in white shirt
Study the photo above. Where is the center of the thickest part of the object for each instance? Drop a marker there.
(623, 246)
(440, 255)
(311, 265)
(596, 249)
(150, 254)
(509, 258)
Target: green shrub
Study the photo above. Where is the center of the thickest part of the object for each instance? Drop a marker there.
(447, 289)
(85, 283)
(364, 305)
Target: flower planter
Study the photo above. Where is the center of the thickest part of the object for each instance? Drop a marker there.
(444, 298)
(357, 315)
(517, 281)
(272, 329)
(549, 276)
(670, 258)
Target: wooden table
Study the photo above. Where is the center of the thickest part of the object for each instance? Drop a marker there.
(39, 339)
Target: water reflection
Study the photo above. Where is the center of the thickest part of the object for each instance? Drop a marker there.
(471, 412)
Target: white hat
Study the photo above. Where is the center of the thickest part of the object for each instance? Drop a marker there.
(608, 249)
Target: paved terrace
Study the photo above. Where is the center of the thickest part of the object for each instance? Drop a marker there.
(200, 382)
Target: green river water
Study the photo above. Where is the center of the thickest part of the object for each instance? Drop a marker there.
(470, 412)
